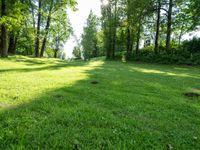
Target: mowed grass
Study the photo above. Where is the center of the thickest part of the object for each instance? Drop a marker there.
(51, 104)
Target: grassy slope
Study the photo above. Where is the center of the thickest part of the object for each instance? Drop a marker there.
(51, 104)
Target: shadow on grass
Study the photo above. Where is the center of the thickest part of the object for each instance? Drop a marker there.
(122, 111)
(43, 67)
(32, 60)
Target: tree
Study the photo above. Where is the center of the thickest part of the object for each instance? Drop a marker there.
(46, 29)
(37, 39)
(129, 45)
(47, 10)
(77, 52)
(157, 26)
(4, 34)
(169, 25)
(110, 21)
(59, 31)
(16, 18)
(89, 37)
(137, 12)
(24, 22)
(53, 7)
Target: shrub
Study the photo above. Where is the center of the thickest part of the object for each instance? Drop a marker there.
(188, 53)
(120, 55)
(193, 46)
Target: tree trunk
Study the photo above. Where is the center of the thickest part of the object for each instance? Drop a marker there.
(109, 36)
(95, 52)
(156, 49)
(15, 45)
(32, 13)
(114, 31)
(129, 45)
(55, 53)
(128, 34)
(180, 35)
(114, 43)
(4, 36)
(12, 43)
(138, 38)
(46, 30)
(37, 40)
(169, 24)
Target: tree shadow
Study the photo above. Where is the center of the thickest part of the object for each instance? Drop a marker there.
(44, 66)
(115, 113)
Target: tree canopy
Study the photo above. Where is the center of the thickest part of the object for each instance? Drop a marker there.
(136, 30)
(32, 26)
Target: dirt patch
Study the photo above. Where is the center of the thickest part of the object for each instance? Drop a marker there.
(190, 94)
(193, 93)
(58, 97)
(3, 105)
(94, 82)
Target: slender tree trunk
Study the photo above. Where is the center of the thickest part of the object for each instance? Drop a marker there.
(32, 13)
(109, 36)
(4, 34)
(180, 35)
(114, 43)
(128, 34)
(129, 45)
(12, 43)
(95, 52)
(156, 49)
(114, 31)
(138, 38)
(55, 53)
(15, 44)
(169, 24)
(37, 40)
(46, 30)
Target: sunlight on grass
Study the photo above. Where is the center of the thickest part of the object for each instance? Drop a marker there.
(21, 87)
(48, 104)
(152, 71)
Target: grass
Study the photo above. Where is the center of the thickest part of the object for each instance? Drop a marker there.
(51, 104)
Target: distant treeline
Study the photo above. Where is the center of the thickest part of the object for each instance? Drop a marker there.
(160, 24)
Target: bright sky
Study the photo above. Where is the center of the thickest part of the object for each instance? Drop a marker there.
(78, 20)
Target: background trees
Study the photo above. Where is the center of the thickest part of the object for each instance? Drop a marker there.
(26, 25)
(132, 28)
(157, 24)
(89, 37)
(12, 17)
(109, 26)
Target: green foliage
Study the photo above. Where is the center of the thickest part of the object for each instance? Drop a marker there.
(188, 53)
(127, 23)
(77, 52)
(193, 46)
(121, 56)
(100, 42)
(15, 16)
(20, 20)
(60, 30)
(89, 37)
(49, 53)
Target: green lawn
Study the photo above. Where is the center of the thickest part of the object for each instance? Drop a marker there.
(51, 104)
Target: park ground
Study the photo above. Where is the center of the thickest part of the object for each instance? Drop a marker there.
(52, 104)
